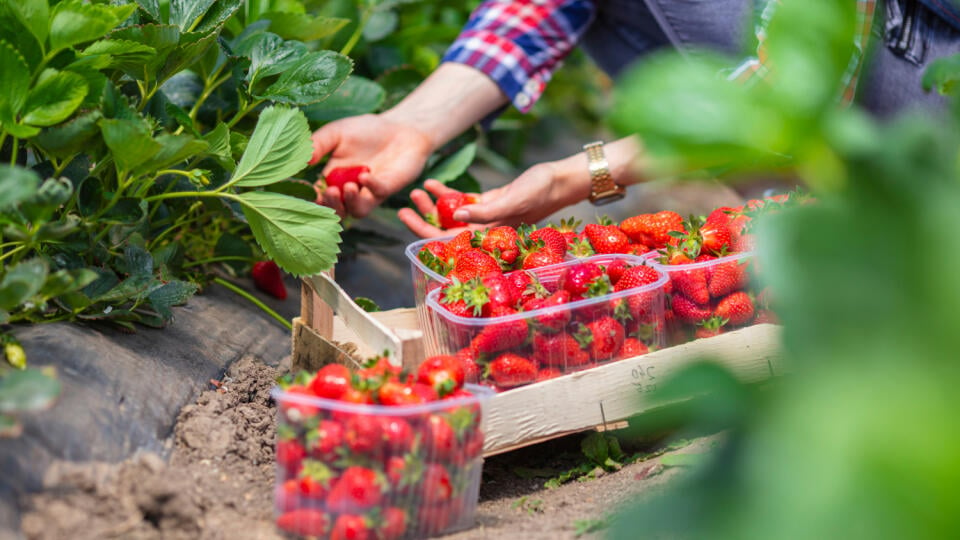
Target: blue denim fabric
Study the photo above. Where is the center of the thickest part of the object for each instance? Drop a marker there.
(948, 10)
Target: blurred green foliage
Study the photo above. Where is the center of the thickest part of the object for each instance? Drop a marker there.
(860, 440)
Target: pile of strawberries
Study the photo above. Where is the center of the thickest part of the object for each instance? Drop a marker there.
(376, 453)
(513, 329)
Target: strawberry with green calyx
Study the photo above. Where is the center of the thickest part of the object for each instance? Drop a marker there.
(474, 262)
(331, 381)
(581, 248)
(501, 335)
(447, 204)
(298, 411)
(442, 372)
(290, 453)
(457, 245)
(568, 228)
(502, 242)
(323, 441)
(713, 236)
(500, 292)
(395, 393)
(511, 369)
(358, 489)
(404, 472)
(304, 522)
(398, 436)
(710, 327)
(351, 527)
(536, 254)
(602, 337)
(523, 285)
(633, 347)
(652, 230)
(314, 480)
(615, 270)
(737, 307)
(689, 311)
(635, 276)
(552, 239)
(440, 439)
(468, 361)
(268, 278)
(554, 320)
(464, 299)
(438, 262)
(578, 277)
(606, 238)
(638, 249)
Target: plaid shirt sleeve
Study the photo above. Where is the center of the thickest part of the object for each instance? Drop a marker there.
(520, 44)
(755, 68)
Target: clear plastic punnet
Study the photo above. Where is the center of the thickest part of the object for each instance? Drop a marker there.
(711, 297)
(537, 344)
(390, 472)
(424, 279)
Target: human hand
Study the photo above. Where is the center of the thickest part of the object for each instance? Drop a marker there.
(394, 152)
(531, 197)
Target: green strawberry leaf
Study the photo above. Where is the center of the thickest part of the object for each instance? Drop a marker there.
(75, 22)
(70, 137)
(66, 281)
(27, 390)
(22, 282)
(366, 304)
(151, 8)
(311, 79)
(454, 165)
(16, 185)
(15, 82)
(162, 38)
(279, 147)
(33, 14)
(942, 74)
(218, 14)
(301, 189)
(125, 55)
(172, 293)
(355, 96)
(54, 98)
(184, 13)
(173, 149)
(191, 48)
(303, 27)
(130, 141)
(301, 237)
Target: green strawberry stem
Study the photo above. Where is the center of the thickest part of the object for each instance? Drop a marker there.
(255, 301)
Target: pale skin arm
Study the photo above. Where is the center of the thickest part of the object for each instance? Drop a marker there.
(395, 144)
(534, 195)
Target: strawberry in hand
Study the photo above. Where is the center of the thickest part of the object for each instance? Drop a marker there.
(340, 176)
(268, 278)
(447, 204)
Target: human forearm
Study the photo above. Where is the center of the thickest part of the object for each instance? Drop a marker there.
(453, 98)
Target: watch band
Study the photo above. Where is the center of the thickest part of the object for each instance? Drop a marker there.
(603, 188)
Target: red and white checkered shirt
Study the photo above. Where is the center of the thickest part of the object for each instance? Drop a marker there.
(520, 44)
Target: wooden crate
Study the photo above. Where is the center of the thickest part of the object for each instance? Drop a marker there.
(596, 398)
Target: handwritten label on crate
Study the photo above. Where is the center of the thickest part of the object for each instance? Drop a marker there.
(643, 377)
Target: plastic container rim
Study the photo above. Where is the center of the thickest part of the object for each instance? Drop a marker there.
(694, 266)
(480, 394)
(413, 249)
(434, 304)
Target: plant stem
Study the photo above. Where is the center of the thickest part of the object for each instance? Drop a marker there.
(255, 301)
(223, 258)
(207, 90)
(13, 153)
(355, 37)
(182, 194)
(12, 251)
(243, 112)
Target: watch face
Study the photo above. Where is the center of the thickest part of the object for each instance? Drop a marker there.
(607, 199)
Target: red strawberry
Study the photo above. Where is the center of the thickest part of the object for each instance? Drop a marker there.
(473, 263)
(500, 291)
(403, 472)
(548, 373)
(606, 238)
(691, 283)
(268, 278)
(290, 454)
(540, 257)
(552, 239)
(433, 519)
(447, 204)
(689, 311)
(501, 242)
(324, 440)
(397, 435)
(636, 276)
(602, 337)
(511, 369)
(559, 350)
(468, 360)
(710, 327)
(500, 335)
(437, 487)
(295, 409)
(440, 442)
(633, 347)
(331, 381)
(314, 480)
(351, 527)
(737, 307)
(638, 249)
(577, 278)
(433, 255)
(395, 393)
(357, 489)
(652, 230)
(304, 522)
(394, 524)
(727, 277)
(287, 497)
(457, 245)
(520, 285)
(555, 320)
(443, 372)
(615, 270)
(716, 236)
(362, 433)
(568, 228)
(341, 175)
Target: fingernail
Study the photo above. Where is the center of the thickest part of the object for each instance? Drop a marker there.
(461, 215)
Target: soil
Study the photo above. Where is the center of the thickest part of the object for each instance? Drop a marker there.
(218, 480)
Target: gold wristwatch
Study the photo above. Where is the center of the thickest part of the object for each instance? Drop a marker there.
(603, 188)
